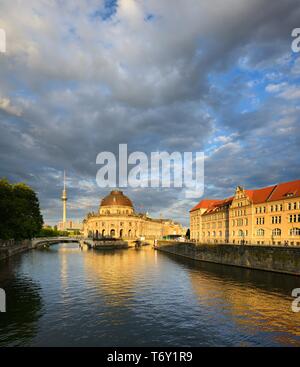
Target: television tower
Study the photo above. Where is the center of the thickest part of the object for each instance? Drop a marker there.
(64, 200)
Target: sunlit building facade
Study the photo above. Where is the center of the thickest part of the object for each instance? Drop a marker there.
(117, 218)
(266, 216)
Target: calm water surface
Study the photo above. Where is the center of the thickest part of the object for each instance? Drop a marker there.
(68, 297)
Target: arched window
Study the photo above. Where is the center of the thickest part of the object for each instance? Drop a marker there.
(260, 232)
(214, 233)
(295, 232)
(112, 233)
(241, 233)
(208, 234)
(276, 232)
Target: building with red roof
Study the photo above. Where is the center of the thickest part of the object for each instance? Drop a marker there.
(264, 216)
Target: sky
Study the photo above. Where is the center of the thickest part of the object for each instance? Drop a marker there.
(81, 77)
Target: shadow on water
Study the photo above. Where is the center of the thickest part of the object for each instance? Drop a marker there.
(18, 325)
(265, 280)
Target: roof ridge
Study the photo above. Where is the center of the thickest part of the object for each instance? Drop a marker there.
(271, 193)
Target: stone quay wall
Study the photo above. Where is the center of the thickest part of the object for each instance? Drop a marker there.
(270, 258)
(10, 248)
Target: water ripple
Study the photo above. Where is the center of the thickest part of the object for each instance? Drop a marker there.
(142, 298)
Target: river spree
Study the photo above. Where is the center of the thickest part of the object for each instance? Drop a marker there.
(65, 296)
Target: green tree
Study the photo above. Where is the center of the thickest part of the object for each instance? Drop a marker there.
(52, 232)
(6, 210)
(20, 211)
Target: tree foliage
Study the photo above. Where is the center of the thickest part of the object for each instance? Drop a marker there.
(52, 232)
(20, 216)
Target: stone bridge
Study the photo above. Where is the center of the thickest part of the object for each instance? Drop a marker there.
(42, 241)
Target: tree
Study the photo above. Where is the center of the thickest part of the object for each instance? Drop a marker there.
(6, 210)
(187, 235)
(20, 216)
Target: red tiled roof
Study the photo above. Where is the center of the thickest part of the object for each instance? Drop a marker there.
(219, 204)
(205, 204)
(275, 192)
(286, 190)
(271, 193)
(226, 201)
(260, 195)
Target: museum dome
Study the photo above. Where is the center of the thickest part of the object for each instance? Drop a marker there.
(116, 198)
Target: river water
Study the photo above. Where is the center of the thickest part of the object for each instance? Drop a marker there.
(65, 296)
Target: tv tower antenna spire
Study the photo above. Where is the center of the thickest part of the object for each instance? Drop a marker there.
(64, 200)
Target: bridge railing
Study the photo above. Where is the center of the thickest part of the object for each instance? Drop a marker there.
(52, 240)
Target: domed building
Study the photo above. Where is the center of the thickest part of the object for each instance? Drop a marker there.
(117, 218)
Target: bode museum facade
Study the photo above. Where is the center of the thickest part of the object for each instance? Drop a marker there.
(117, 218)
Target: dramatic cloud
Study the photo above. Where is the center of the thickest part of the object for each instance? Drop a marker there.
(81, 77)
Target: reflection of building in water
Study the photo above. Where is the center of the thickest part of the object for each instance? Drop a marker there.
(249, 306)
(119, 274)
(117, 218)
